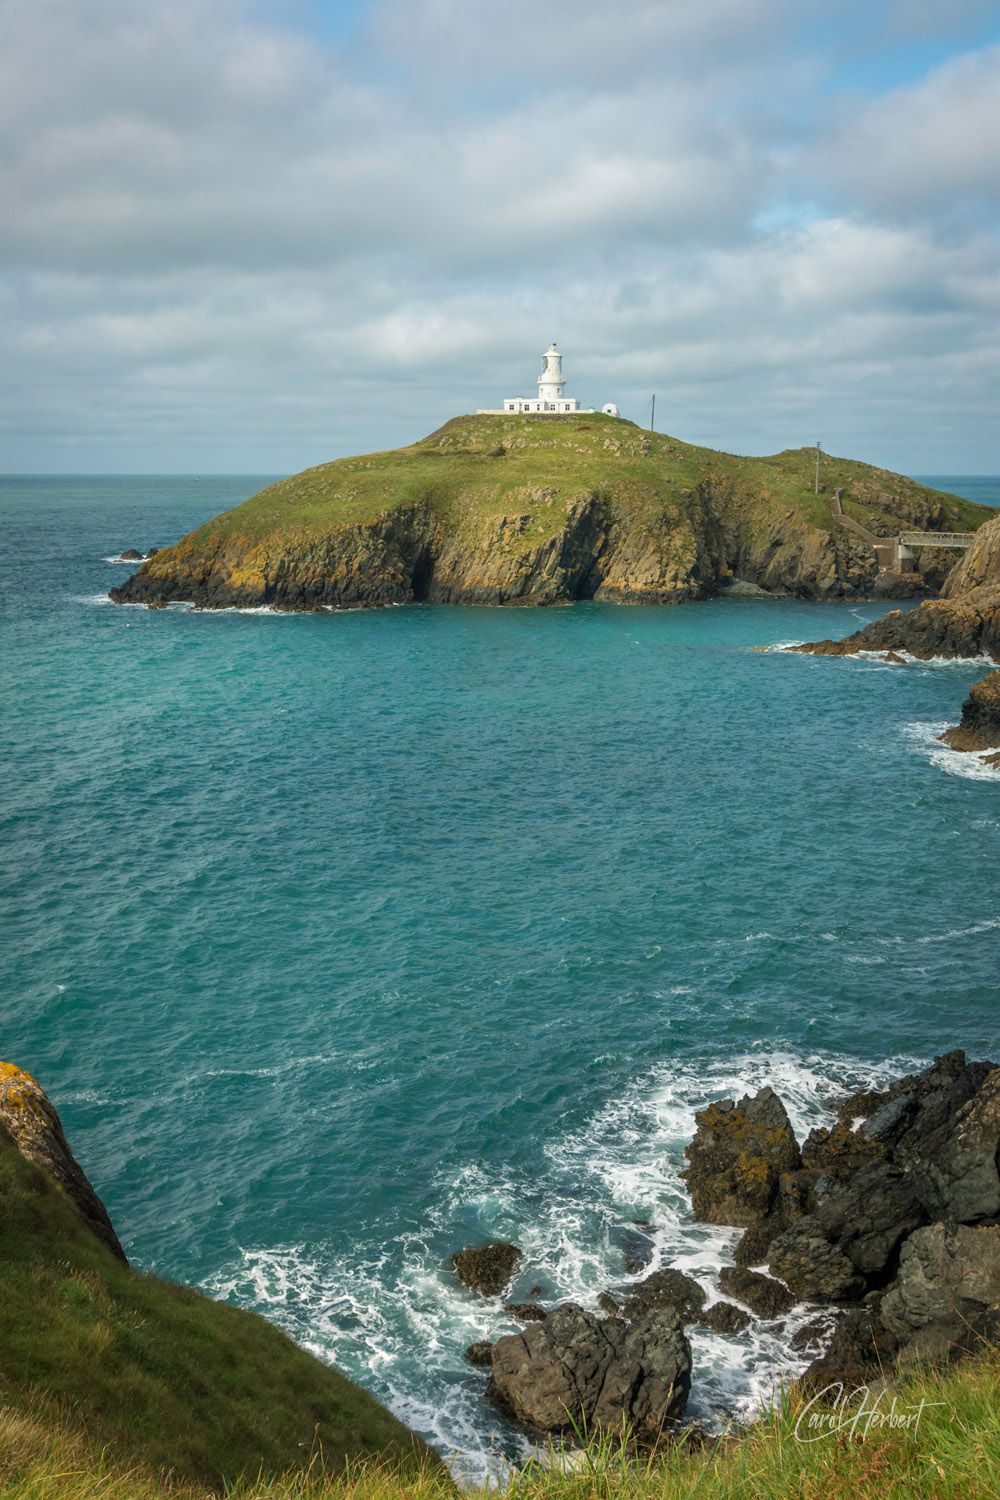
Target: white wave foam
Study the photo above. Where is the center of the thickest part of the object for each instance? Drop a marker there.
(965, 763)
(397, 1320)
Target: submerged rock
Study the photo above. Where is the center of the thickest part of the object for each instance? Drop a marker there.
(578, 1373)
(486, 1268)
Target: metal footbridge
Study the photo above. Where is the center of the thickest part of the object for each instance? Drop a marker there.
(895, 553)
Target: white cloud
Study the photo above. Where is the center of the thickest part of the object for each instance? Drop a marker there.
(215, 226)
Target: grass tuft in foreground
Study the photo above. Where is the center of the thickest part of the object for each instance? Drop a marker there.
(945, 1445)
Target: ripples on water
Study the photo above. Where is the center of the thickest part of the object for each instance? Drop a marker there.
(344, 941)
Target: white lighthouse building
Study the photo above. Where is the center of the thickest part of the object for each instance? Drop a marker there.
(551, 398)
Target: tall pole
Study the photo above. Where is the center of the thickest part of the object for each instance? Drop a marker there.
(652, 415)
(818, 447)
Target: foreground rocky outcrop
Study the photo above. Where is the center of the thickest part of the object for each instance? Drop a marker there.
(890, 1219)
(537, 511)
(576, 1373)
(884, 1223)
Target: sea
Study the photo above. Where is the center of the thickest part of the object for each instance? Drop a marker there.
(344, 941)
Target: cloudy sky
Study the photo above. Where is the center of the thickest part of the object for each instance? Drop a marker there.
(249, 237)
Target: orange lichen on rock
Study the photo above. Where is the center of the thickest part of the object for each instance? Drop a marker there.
(30, 1119)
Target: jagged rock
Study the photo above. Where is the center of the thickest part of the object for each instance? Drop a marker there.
(812, 1336)
(577, 1372)
(486, 1268)
(131, 555)
(959, 1178)
(668, 1289)
(764, 1296)
(526, 1312)
(980, 725)
(861, 1104)
(922, 1107)
(946, 1299)
(859, 1349)
(480, 1354)
(737, 1157)
(868, 1215)
(811, 1266)
(151, 553)
(29, 1117)
(752, 1245)
(724, 1317)
(839, 1152)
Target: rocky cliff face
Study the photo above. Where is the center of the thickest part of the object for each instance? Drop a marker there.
(30, 1119)
(965, 622)
(491, 511)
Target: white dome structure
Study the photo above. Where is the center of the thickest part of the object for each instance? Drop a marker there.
(551, 399)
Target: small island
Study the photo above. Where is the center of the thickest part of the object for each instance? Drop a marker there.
(546, 508)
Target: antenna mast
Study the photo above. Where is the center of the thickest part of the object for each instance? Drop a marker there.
(652, 415)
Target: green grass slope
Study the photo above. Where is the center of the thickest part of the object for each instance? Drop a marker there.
(159, 1374)
(486, 467)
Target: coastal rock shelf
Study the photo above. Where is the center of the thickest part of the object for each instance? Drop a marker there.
(519, 510)
(884, 1223)
(965, 622)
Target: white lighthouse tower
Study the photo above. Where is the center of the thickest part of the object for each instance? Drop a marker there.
(551, 386)
(551, 399)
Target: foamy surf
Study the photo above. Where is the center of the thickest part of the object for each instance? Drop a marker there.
(396, 1320)
(965, 763)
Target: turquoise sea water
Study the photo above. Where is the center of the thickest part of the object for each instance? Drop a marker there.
(344, 941)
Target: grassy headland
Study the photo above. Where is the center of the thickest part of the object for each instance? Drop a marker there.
(510, 509)
(156, 1375)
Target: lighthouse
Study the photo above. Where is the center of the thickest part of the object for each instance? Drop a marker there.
(551, 386)
(551, 399)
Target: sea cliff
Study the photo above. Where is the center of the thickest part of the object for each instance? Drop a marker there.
(964, 622)
(537, 511)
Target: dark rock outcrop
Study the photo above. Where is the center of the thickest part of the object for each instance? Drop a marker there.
(946, 1299)
(131, 555)
(29, 1117)
(811, 1266)
(965, 622)
(979, 728)
(752, 1246)
(737, 1158)
(724, 1317)
(486, 1268)
(480, 1354)
(579, 1373)
(867, 1216)
(667, 1289)
(763, 1295)
(526, 1312)
(858, 1350)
